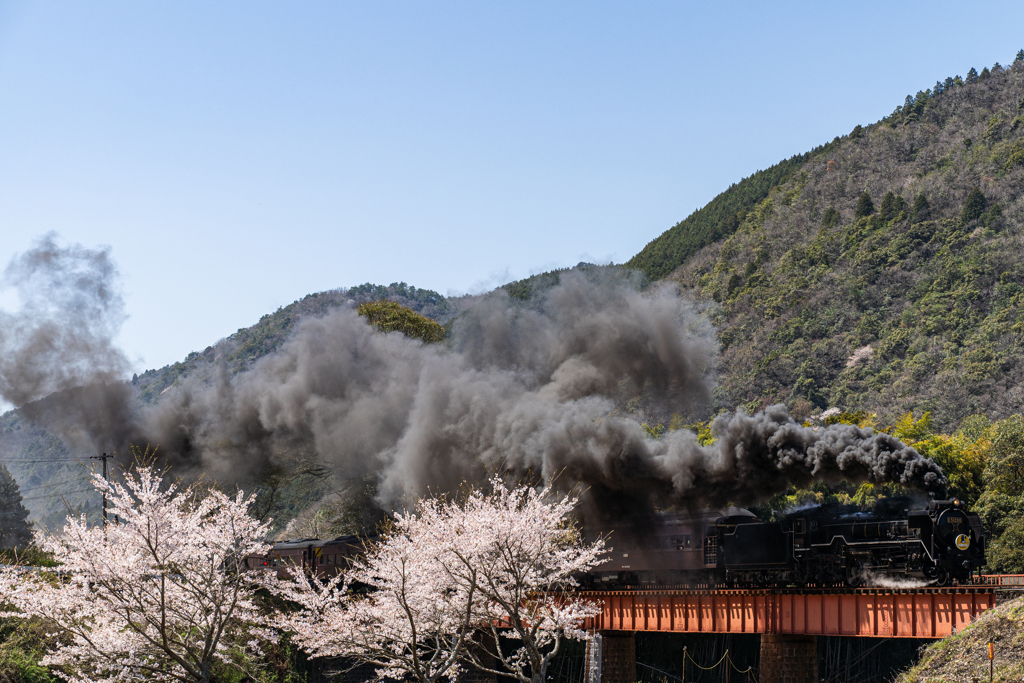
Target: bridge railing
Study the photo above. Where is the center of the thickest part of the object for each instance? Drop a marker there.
(1003, 580)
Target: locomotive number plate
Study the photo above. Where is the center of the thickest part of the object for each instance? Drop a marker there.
(963, 541)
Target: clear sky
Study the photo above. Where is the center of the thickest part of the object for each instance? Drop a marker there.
(238, 155)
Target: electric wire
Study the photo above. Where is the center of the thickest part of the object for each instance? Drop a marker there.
(56, 495)
(57, 483)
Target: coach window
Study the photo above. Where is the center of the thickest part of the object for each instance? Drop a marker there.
(800, 526)
(686, 540)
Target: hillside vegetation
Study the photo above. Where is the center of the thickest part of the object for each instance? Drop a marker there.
(963, 657)
(721, 217)
(884, 273)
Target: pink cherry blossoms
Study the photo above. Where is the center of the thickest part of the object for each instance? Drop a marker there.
(162, 595)
(432, 596)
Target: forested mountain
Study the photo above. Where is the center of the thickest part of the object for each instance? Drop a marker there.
(883, 272)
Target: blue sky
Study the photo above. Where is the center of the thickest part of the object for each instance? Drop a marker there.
(237, 156)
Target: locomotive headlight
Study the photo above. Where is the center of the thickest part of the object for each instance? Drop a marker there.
(956, 502)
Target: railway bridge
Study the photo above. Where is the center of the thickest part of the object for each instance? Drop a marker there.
(789, 620)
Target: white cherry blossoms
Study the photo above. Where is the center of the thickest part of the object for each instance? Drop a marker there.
(160, 595)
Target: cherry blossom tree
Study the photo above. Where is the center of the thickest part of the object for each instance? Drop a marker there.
(397, 609)
(520, 551)
(161, 595)
(495, 562)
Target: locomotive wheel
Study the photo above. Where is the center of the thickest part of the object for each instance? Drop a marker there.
(854, 574)
(941, 576)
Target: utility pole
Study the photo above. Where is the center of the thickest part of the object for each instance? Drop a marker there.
(104, 459)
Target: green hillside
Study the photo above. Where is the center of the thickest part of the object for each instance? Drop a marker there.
(722, 216)
(883, 272)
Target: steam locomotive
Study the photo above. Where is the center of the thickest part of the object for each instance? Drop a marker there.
(823, 545)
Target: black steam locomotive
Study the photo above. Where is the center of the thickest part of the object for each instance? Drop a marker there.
(821, 545)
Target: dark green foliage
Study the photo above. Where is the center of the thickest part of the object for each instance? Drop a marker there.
(920, 212)
(857, 132)
(974, 206)
(1019, 59)
(388, 316)
(865, 207)
(831, 218)
(15, 531)
(985, 73)
(972, 76)
(719, 219)
(23, 643)
(892, 206)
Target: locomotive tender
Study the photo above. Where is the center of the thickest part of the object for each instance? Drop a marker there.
(823, 545)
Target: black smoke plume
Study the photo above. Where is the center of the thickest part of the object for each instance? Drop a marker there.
(531, 390)
(58, 359)
(527, 390)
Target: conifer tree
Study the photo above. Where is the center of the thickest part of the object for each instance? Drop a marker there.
(985, 73)
(831, 218)
(865, 207)
(1020, 57)
(15, 531)
(948, 83)
(888, 209)
(972, 75)
(974, 206)
(921, 211)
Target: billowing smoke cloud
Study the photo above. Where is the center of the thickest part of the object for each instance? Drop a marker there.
(61, 340)
(532, 390)
(526, 390)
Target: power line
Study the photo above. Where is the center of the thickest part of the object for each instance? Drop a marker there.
(56, 495)
(17, 461)
(57, 483)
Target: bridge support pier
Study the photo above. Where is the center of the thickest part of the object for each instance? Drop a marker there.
(618, 657)
(788, 659)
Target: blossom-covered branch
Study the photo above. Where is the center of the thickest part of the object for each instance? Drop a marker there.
(162, 595)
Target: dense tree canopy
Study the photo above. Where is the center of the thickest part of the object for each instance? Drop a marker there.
(388, 316)
(865, 207)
